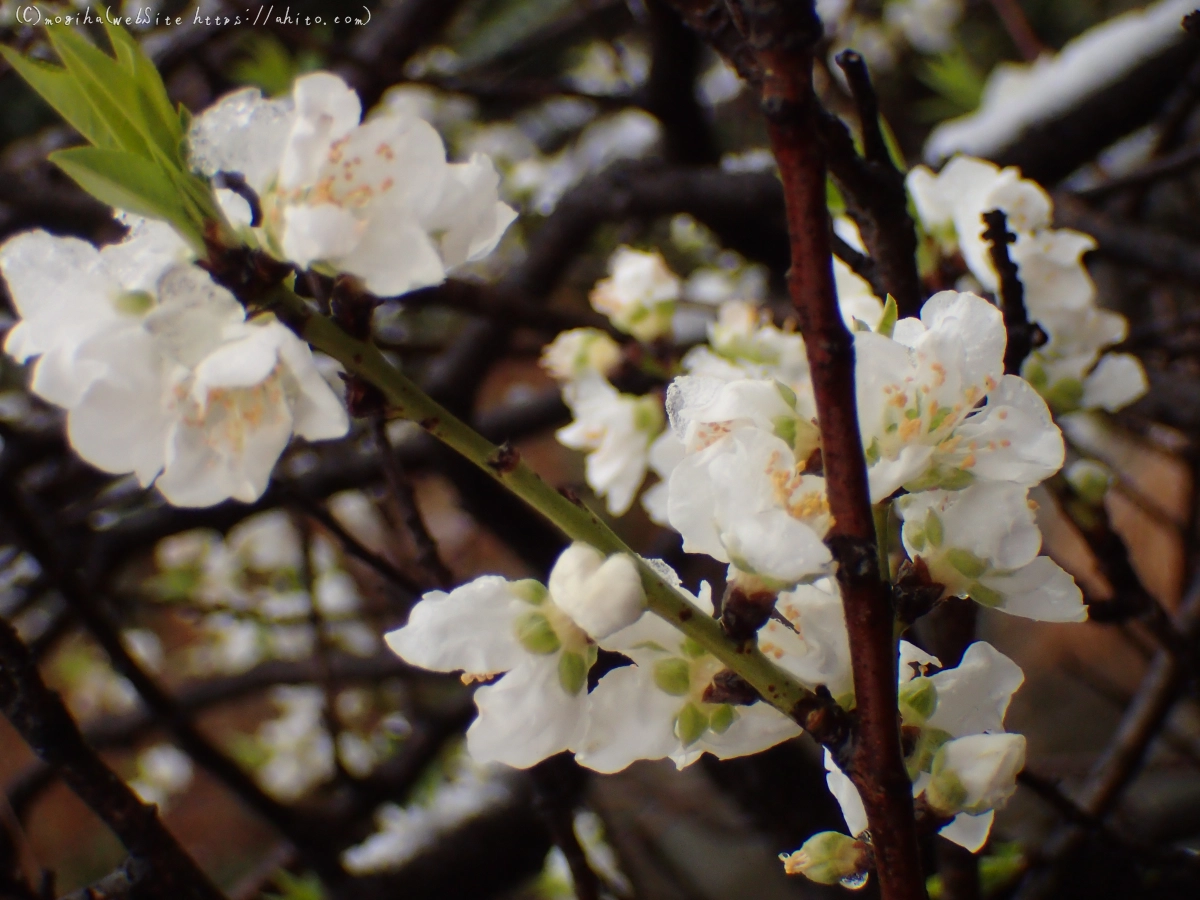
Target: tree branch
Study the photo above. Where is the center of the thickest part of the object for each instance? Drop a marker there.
(43, 721)
(784, 35)
(1012, 292)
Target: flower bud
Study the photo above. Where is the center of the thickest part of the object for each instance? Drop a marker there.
(639, 295)
(975, 773)
(1090, 480)
(579, 352)
(827, 858)
(601, 595)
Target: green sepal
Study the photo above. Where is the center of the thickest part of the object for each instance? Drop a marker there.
(530, 590)
(722, 718)
(966, 562)
(572, 672)
(891, 312)
(536, 634)
(985, 596)
(934, 530)
(690, 724)
(673, 676)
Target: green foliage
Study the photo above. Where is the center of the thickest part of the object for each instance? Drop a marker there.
(269, 66)
(119, 104)
(506, 24)
(297, 887)
(956, 81)
(997, 872)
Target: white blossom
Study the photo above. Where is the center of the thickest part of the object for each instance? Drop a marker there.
(199, 400)
(523, 630)
(976, 773)
(982, 542)
(162, 771)
(656, 707)
(616, 430)
(298, 748)
(376, 198)
(927, 24)
(746, 500)
(579, 353)
(639, 293)
(917, 398)
(666, 452)
(968, 700)
(405, 831)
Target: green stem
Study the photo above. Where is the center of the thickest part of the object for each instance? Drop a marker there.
(882, 512)
(574, 519)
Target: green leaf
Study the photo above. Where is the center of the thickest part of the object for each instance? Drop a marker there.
(148, 81)
(59, 89)
(508, 26)
(130, 183)
(115, 96)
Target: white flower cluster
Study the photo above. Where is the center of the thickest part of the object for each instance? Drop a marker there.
(1072, 370)
(251, 593)
(374, 198)
(159, 370)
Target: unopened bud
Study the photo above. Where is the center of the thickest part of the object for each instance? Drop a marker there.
(601, 596)
(828, 858)
(579, 352)
(975, 773)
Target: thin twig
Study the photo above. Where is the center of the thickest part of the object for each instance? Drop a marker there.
(404, 499)
(1012, 292)
(873, 188)
(1017, 25)
(554, 797)
(86, 606)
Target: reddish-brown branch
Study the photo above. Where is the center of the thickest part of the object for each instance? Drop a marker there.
(876, 760)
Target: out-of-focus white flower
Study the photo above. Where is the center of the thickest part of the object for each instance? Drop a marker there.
(918, 392)
(604, 68)
(982, 542)
(616, 431)
(665, 454)
(629, 134)
(406, 831)
(298, 748)
(927, 24)
(656, 707)
(162, 771)
(639, 293)
(376, 199)
(579, 353)
(718, 84)
(67, 293)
